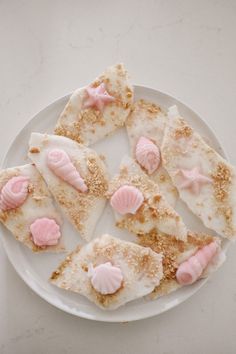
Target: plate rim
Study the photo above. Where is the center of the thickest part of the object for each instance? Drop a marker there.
(33, 285)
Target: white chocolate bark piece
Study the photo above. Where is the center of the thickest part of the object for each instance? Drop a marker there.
(175, 252)
(140, 266)
(83, 209)
(154, 212)
(206, 182)
(38, 204)
(88, 125)
(148, 120)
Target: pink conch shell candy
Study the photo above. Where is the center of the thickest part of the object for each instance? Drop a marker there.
(59, 162)
(148, 155)
(127, 199)
(190, 270)
(14, 193)
(45, 232)
(106, 278)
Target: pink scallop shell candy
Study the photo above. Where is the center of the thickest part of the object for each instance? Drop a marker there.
(14, 193)
(59, 162)
(148, 155)
(190, 270)
(105, 278)
(45, 232)
(127, 199)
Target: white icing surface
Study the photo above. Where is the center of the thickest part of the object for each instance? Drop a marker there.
(139, 124)
(113, 115)
(136, 283)
(168, 224)
(38, 204)
(61, 189)
(198, 154)
(215, 263)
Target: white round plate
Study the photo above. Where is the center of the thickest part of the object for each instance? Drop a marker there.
(35, 269)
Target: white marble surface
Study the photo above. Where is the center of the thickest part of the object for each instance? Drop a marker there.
(186, 48)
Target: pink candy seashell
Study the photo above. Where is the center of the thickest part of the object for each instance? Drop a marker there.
(14, 193)
(190, 270)
(127, 199)
(193, 180)
(148, 155)
(59, 162)
(106, 278)
(97, 97)
(45, 232)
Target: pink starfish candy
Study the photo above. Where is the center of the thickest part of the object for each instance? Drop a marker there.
(193, 180)
(98, 97)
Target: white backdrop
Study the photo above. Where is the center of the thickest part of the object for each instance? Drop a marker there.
(185, 48)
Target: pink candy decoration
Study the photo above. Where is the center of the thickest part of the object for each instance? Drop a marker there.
(14, 193)
(106, 278)
(148, 155)
(190, 270)
(45, 232)
(98, 97)
(127, 199)
(193, 180)
(59, 162)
